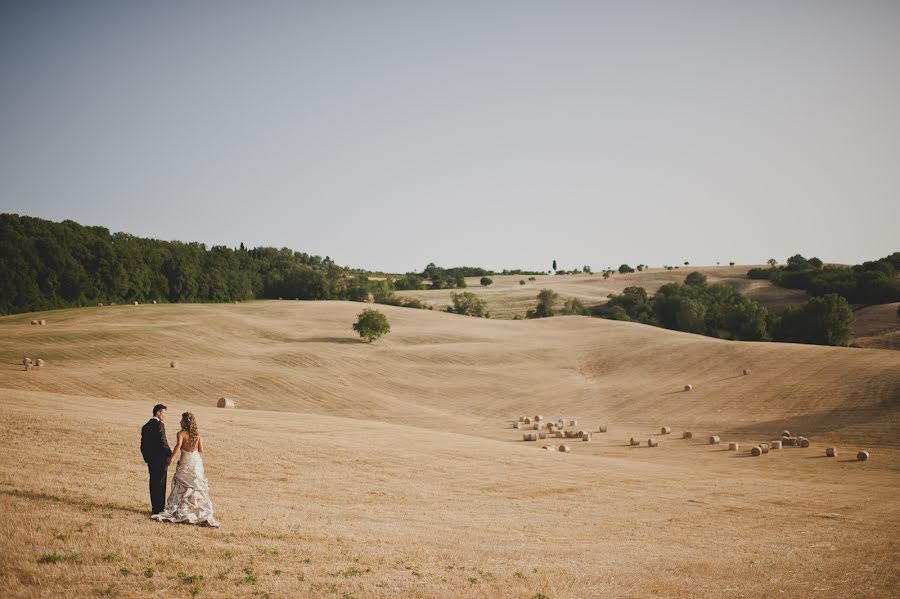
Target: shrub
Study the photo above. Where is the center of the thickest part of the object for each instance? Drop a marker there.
(485, 281)
(371, 324)
(586, 269)
(468, 304)
(696, 279)
(731, 264)
(532, 278)
(625, 268)
(574, 307)
(521, 281)
(546, 299)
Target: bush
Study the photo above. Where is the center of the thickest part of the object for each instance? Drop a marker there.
(468, 304)
(625, 269)
(696, 279)
(410, 281)
(521, 281)
(485, 281)
(546, 300)
(371, 324)
(574, 307)
(731, 264)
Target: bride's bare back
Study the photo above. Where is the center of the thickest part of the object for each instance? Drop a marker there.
(185, 444)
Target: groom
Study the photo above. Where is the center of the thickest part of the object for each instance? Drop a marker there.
(156, 452)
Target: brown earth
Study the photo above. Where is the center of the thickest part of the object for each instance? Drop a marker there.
(392, 469)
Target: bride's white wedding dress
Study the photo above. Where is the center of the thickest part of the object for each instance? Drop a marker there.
(189, 499)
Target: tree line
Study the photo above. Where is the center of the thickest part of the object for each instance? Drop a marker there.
(716, 310)
(873, 282)
(47, 265)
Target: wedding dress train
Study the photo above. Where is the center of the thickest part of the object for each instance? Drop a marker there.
(189, 499)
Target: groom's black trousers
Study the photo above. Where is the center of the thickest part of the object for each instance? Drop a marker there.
(158, 478)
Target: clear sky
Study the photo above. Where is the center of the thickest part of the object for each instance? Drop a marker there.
(498, 134)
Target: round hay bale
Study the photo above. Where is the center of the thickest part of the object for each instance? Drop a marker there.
(564, 448)
(573, 423)
(33, 322)
(651, 442)
(734, 446)
(38, 363)
(42, 322)
(137, 303)
(746, 371)
(560, 435)
(687, 435)
(635, 441)
(601, 428)
(804, 442)
(516, 424)
(665, 430)
(785, 433)
(714, 440)
(28, 367)
(757, 451)
(224, 402)
(173, 364)
(526, 420)
(529, 437)
(775, 445)
(26, 361)
(538, 426)
(586, 435)
(538, 417)
(862, 456)
(550, 447)
(831, 452)
(542, 435)
(764, 447)
(100, 305)
(154, 302)
(688, 387)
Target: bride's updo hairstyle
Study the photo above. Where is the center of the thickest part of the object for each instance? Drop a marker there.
(189, 424)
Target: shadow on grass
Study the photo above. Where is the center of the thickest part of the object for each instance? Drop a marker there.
(344, 340)
(73, 501)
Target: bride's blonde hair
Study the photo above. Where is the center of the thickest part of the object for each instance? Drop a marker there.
(189, 424)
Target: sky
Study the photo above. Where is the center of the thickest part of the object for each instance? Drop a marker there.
(388, 135)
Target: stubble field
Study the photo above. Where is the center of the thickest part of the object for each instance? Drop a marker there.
(392, 469)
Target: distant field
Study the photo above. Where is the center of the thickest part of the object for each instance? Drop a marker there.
(391, 469)
(506, 297)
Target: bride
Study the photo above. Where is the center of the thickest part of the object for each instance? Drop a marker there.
(189, 499)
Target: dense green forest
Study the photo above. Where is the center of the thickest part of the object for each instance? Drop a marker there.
(874, 282)
(46, 265)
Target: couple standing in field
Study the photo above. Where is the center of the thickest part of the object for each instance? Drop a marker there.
(189, 499)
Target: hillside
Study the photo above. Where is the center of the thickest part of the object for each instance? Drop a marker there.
(506, 297)
(391, 469)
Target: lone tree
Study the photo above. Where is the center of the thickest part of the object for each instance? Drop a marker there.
(485, 281)
(771, 261)
(371, 324)
(625, 268)
(554, 265)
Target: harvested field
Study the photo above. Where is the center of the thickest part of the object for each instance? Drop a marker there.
(316, 500)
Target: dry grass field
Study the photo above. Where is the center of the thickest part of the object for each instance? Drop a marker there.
(506, 297)
(877, 327)
(392, 469)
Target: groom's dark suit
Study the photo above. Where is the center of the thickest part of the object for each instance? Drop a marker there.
(156, 452)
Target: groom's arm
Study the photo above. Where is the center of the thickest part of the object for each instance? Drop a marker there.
(164, 450)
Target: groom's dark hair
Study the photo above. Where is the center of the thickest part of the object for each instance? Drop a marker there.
(158, 407)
